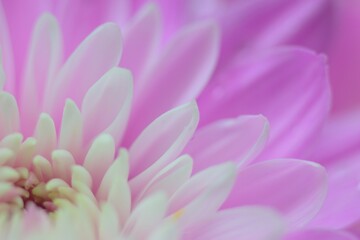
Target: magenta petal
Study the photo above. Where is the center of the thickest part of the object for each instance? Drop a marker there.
(6, 55)
(225, 140)
(295, 188)
(344, 56)
(250, 223)
(320, 234)
(141, 40)
(178, 76)
(340, 138)
(289, 86)
(341, 207)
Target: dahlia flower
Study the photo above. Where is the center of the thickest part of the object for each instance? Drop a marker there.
(78, 142)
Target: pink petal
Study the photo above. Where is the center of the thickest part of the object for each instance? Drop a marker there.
(317, 234)
(181, 72)
(141, 40)
(21, 21)
(295, 188)
(266, 84)
(99, 52)
(340, 209)
(87, 15)
(342, 126)
(110, 97)
(250, 223)
(238, 140)
(44, 59)
(256, 24)
(344, 56)
(160, 143)
(6, 52)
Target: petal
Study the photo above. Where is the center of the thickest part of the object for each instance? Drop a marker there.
(110, 97)
(9, 114)
(160, 143)
(87, 15)
(45, 135)
(166, 231)
(340, 209)
(262, 86)
(99, 52)
(114, 187)
(141, 40)
(182, 71)
(99, 158)
(44, 59)
(315, 234)
(6, 53)
(170, 178)
(344, 56)
(71, 130)
(146, 216)
(329, 149)
(200, 198)
(238, 140)
(250, 223)
(295, 188)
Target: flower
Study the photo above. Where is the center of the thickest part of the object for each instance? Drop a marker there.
(69, 169)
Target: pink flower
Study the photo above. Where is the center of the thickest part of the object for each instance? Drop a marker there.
(70, 166)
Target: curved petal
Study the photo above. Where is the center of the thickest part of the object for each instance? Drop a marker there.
(169, 179)
(250, 223)
(71, 130)
(329, 148)
(178, 76)
(9, 114)
(295, 188)
(141, 40)
(344, 56)
(44, 59)
(266, 83)
(21, 17)
(160, 143)
(341, 209)
(6, 55)
(110, 97)
(98, 53)
(99, 158)
(199, 198)
(316, 234)
(238, 140)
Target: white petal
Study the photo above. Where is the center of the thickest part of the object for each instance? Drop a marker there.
(99, 158)
(45, 135)
(161, 142)
(110, 97)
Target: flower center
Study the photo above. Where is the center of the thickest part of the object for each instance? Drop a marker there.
(23, 187)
